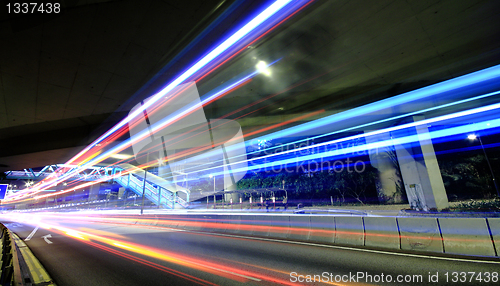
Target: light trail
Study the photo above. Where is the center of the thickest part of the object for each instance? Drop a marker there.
(252, 25)
(135, 251)
(94, 159)
(236, 271)
(434, 134)
(302, 6)
(390, 119)
(459, 85)
(267, 150)
(488, 124)
(127, 143)
(146, 165)
(233, 39)
(256, 227)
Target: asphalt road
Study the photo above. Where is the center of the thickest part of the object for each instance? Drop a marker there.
(88, 253)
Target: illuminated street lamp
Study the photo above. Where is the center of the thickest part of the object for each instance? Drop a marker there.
(263, 68)
(473, 137)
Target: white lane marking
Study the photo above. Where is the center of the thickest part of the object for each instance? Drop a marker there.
(31, 234)
(230, 272)
(46, 238)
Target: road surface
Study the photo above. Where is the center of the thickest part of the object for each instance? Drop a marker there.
(77, 252)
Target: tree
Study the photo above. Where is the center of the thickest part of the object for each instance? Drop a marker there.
(466, 177)
(359, 186)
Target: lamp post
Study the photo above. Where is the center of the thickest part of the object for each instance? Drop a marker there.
(286, 193)
(144, 186)
(473, 137)
(143, 190)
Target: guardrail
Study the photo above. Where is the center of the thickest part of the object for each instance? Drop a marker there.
(151, 191)
(19, 265)
(7, 276)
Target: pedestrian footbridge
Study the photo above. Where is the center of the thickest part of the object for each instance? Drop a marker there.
(158, 190)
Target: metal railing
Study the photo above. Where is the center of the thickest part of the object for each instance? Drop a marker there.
(156, 194)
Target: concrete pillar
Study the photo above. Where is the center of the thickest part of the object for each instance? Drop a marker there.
(383, 159)
(420, 170)
(234, 196)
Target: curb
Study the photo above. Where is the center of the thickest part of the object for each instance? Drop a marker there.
(27, 270)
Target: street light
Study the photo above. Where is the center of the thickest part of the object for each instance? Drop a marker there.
(473, 137)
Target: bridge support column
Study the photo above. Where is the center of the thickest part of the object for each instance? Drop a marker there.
(419, 168)
(234, 196)
(389, 187)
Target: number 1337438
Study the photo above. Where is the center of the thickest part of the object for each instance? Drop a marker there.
(32, 8)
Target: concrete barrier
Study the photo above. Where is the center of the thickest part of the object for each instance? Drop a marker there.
(349, 230)
(468, 236)
(322, 229)
(147, 220)
(465, 236)
(222, 222)
(421, 234)
(382, 232)
(232, 224)
(169, 221)
(190, 222)
(165, 221)
(262, 225)
(210, 223)
(280, 226)
(154, 220)
(494, 224)
(248, 224)
(300, 227)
